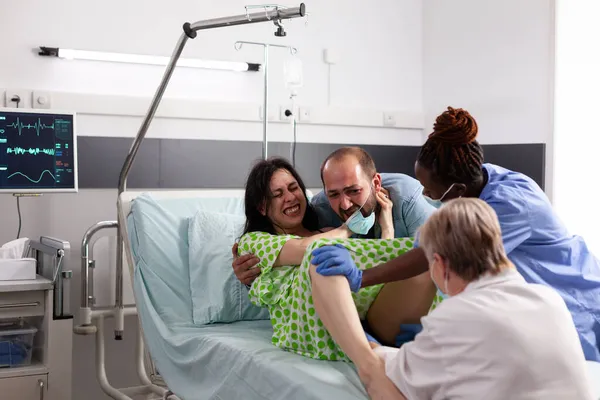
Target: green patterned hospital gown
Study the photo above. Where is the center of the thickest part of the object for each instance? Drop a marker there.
(286, 290)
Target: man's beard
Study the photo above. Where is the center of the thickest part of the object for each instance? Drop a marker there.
(371, 205)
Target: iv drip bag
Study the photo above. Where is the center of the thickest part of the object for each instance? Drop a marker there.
(292, 70)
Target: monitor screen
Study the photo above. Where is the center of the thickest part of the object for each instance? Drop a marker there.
(38, 151)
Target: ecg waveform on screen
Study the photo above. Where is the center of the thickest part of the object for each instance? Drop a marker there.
(35, 152)
(36, 125)
(33, 180)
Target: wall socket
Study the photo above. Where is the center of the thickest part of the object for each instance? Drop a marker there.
(389, 119)
(23, 96)
(41, 99)
(282, 112)
(304, 114)
(270, 113)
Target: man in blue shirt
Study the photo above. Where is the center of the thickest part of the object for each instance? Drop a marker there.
(350, 178)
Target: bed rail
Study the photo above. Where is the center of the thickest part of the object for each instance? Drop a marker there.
(92, 323)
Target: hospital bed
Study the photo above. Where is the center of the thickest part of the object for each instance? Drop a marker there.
(199, 336)
(206, 339)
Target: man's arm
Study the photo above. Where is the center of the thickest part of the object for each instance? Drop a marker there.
(244, 266)
(408, 265)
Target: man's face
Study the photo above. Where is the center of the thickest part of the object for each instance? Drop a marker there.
(347, 187)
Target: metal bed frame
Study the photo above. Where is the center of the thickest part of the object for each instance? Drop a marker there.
(92, 318)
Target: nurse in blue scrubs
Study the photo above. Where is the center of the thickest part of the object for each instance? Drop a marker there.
(450, 165)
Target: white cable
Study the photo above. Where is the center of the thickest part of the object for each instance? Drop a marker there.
(293, 121)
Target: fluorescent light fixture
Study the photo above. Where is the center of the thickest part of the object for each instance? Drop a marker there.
(71, 54)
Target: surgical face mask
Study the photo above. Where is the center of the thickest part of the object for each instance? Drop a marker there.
(444, 294)
(438, 203)
(360, 224)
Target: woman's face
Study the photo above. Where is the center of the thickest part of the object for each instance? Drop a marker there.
(431, 188)
(288, 203)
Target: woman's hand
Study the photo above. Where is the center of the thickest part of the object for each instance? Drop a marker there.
(385, 219)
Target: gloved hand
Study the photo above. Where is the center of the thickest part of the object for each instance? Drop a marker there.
(371, 339)
(336, 260)
(409, 331)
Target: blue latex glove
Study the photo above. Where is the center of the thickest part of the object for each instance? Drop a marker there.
(409, 331)
(371, 339)
(336, 260)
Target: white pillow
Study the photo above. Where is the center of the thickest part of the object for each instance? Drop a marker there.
(217, 295)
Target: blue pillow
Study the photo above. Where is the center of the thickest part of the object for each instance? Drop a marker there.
(217, 295)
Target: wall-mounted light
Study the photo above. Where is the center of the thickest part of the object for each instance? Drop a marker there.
(71, 54)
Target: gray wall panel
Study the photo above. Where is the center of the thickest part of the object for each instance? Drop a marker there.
(100, 160)
(178, 163)
(205, 163)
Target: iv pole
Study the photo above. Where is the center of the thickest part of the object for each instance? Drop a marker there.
(190, 31)
(293, 51)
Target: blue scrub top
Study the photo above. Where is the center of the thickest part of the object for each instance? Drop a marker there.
(544, 252)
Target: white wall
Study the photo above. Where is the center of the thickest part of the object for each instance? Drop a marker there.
(577, 138)
(495, 59)
(380, 68)
(371, 74)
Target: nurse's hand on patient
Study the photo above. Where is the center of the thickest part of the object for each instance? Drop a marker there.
(336, 260)
(243, 266)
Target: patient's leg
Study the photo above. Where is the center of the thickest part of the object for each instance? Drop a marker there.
(336, 309)
(402, 302)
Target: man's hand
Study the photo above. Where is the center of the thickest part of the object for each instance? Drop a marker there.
(336, 260)
(384, 218)
(243, 266)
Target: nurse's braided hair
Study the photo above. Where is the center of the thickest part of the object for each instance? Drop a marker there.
(452, 152)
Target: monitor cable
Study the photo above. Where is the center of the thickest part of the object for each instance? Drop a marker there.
(19, 213)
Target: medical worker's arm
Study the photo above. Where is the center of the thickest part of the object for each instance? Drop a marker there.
(334, 260)
(415, 212)
(408, 265)
(512, 210)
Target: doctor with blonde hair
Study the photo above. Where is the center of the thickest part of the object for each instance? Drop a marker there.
(495, 336)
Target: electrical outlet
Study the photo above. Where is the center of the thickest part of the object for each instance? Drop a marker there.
(20, 98)
(41, 99)
(389, 119)
(270, 113)
(304, 114)
(282, 114)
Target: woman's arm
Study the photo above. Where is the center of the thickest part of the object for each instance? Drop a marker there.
(294, 249)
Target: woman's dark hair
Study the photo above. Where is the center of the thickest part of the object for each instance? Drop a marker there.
(258, 191)
(452, 152)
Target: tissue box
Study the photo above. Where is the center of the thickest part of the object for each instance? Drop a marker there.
(16, 269)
